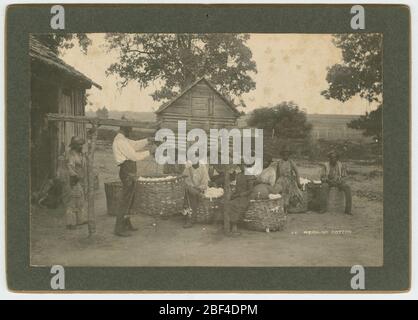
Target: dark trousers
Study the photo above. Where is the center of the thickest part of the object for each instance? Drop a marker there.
(324, 194)
(127, 174)
(192, 199)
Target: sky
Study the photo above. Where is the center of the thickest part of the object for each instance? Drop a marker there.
(291, 67)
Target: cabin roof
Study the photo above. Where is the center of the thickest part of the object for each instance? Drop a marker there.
(42, 53)
(169, 103)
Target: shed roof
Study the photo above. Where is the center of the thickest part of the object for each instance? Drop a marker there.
(228, 102)
(42, 53)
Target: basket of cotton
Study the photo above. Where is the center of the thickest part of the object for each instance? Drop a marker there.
(159, 195)
(265, 214)
(210, 206)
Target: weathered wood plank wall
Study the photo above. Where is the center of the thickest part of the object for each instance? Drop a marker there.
(201, 107)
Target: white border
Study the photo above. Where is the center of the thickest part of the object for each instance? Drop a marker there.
(412, 294)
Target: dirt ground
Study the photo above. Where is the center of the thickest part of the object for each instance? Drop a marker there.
(309, 239)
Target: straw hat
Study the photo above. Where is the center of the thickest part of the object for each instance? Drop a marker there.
(332, 153)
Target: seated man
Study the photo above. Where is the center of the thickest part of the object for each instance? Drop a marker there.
(197, 180)
(238, 203)
(333, 176)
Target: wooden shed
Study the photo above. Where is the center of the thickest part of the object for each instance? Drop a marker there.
(56, 87)
(201, 105)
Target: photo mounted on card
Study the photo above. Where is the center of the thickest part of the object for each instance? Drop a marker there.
(208, 148)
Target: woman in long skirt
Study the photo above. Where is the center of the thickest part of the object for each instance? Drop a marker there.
(73, 195)
(288, 180)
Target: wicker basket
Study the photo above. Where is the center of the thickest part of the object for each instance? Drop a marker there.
(336, 200)
(314, 194)
(210, 209)
(300, 207)
(265, 215)
(159, 198)
(113, 193)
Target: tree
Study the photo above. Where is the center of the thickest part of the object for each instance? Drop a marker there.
(371, 124)
(360, 73)
(284, 120)
(102, 113)
(57, 41)
(177, 60)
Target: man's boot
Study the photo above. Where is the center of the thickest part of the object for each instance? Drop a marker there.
(120, 229)
(129, 226)
(122, 233)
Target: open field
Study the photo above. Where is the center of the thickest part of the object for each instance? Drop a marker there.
(309, 239)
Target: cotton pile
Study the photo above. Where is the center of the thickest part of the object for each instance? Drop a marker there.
(214, 193)
(273, 196)
(304, 180)
(155, 179)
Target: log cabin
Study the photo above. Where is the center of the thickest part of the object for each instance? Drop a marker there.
(56, 87)
(201, 105)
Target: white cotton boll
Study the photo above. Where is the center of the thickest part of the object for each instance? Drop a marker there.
(304, 180)
(214, 193)
(273, 196)
(150, 179)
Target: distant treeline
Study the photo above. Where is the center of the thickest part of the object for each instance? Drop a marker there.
(108, 134)
(131, 115)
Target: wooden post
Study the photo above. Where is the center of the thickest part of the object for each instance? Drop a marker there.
(227, 197)
(90, 179)
(227, 184)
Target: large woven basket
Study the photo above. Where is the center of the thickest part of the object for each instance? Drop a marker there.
(159, 198)
(210, 209)
(265, 215)
(300, 207)
(336, 200)
(113, 191)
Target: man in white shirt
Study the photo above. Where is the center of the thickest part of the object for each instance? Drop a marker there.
(126, 153)
(197, 179)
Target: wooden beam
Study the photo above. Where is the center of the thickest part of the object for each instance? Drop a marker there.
(182, 117)
(90, 180)
(99, 122)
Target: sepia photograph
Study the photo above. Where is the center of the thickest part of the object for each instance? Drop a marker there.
(206, 149)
